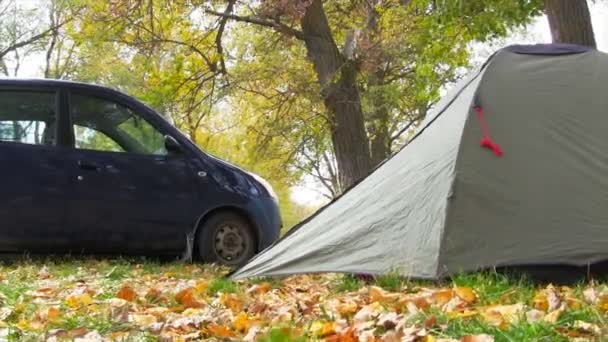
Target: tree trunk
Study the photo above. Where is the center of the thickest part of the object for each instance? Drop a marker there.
(378, 122)
(337, 76)
(570, 22)
(379, 116)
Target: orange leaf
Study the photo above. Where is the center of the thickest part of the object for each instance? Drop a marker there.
(347, 336)
(232, 302)
(127, 293)
(466, 293)
(187, 299)
(441, 297)
(53, 313)
(220, 331)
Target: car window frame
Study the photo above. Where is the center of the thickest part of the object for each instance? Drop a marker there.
(59, 116)
(122, 100)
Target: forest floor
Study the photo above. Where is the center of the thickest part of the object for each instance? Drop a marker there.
(120, 300)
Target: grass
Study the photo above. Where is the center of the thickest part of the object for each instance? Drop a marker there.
(222, 285)
(104, 278)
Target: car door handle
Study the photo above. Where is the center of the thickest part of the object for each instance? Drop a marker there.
(89, 166)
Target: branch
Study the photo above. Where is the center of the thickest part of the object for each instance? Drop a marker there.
(404, 129)
(31, 40)
(220, 33)
(278, 26)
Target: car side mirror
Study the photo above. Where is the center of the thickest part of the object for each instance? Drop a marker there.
(171, 145)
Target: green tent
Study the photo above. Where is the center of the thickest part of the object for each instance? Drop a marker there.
(511, 168)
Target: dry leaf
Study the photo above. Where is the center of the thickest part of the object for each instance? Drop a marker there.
(590, 295)
(232, 301)
(77, 301)
(219, 331)
(553, 316)
(478, 338)
(144, 320)
(442, 297)
(187, 299)
(466, 294)
(127, 293)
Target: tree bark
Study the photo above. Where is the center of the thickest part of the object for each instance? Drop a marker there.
(379, 115)
(570, 22)
(337, 76)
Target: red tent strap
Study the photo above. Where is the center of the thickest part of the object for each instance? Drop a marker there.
(486, 140)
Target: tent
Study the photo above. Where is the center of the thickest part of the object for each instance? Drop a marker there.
(510, 168)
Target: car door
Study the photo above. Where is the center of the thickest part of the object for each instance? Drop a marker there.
(34, 179)
(130, 194)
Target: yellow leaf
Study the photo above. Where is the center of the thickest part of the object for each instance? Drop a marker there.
(242, 322)
(328, 328)
(347, 309)
(77, 301)
(23, 325)
(540, 301)
(201, 287)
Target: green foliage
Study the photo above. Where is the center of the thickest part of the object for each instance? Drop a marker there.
(265, 111)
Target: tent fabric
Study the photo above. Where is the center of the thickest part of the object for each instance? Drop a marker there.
(549, 49)
(443, 204)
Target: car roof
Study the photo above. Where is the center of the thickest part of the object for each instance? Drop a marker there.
(46, 82)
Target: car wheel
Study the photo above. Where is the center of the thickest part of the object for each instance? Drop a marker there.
(227, 239)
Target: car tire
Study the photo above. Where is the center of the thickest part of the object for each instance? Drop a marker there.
(226, 238)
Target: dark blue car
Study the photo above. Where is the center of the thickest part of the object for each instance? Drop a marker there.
(86, 169)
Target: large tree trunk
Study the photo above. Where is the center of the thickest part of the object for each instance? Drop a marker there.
(570, 22)
(338, 78)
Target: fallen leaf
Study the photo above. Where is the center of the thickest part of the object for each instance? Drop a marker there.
(466, 294)
(144, 320)
(553, 316)
(232, 302)
(260, 289)
(242, 322)
(590, 295)
(53, 313)
(187, 299)
(219, 331)
(442, 297)
(77, 301)
(534, 315)
(478, 338)
(502, 315)
(127, 293)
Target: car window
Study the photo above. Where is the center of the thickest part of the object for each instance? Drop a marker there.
(91, 139)
(27, 117)
(126, 129)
